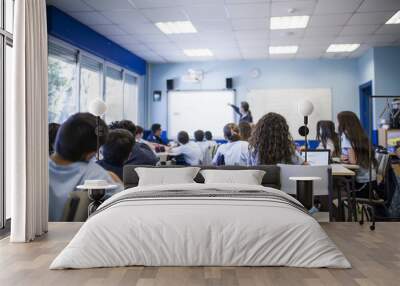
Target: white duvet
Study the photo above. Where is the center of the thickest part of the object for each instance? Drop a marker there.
(200, 231)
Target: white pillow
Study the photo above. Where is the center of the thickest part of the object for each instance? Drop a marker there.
(248, 177)
(166, 176)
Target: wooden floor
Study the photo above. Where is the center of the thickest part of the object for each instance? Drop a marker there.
(375, 257)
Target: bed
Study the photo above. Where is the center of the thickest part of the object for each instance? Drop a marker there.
(196, 224)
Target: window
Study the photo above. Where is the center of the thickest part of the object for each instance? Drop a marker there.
(114, 95)
(90, 82)
(130, 98)
(63, 96)
(76, 78)
(6, 65)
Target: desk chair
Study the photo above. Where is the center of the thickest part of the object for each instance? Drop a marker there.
(76, 207)
(382, 194)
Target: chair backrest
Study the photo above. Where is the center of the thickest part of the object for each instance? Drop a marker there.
(321, 187)
(76, 207)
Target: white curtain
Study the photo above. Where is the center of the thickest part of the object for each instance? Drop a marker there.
(27, 145)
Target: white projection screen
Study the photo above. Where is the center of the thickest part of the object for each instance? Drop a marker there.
(285, 102)
(206, 110)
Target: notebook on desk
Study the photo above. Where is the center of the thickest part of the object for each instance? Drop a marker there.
(318, 157)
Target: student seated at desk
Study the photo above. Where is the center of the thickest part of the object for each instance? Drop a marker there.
(271, 142)
(141, 153)
(53, 129)
(190, 151)
(72, 162)
(204, 146)
(209, 139)
(355, 150)
(328, 137)
(155, 135)
(235, 152)
(116, 151)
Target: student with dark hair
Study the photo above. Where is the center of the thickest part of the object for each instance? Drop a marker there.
(209, 139)
(271, 142)
(155, 135)
(243, 111)
(328, 137)
(71, 163)
(204, 146)
(235, 152)
(355, 150)
(244, 130)
(190, 151)
(116, 151)
(139, 134)
(53, 129)
(141, 153)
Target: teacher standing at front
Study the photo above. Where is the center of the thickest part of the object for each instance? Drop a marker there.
(243, 111)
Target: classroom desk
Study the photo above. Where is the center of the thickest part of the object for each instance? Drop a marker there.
(163, 156)
(342, 176)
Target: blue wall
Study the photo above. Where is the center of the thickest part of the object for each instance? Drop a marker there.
(387, 70)
(66, 28)
(339, 75)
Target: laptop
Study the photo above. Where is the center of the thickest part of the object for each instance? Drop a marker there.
(317, 157)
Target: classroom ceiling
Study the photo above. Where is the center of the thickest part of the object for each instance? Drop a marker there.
(237, 29)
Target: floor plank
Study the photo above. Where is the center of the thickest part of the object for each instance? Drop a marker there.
(375, 257)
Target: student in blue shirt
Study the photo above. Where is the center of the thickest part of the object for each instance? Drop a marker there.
(243, 111)
(116, 151)
(72, 162)
(155, 135)
(271, 142)
(235, 152)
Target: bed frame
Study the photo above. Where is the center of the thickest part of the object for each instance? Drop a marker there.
(270, 179)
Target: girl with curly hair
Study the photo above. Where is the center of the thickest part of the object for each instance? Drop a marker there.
(271, 142)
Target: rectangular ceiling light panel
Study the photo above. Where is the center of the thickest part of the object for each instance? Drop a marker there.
(289, 22)
(395, 19)
(342, 48)
(179, 27)
(281, 50)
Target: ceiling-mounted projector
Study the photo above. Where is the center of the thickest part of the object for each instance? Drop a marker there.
(193, 76)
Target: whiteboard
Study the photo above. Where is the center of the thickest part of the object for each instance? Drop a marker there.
(285, 102)
(206, 110)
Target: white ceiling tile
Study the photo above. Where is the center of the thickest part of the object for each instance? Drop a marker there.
(245, 1)
(108, 30)
(206, 12)
(317, 31)
(184, 37)
(164, 14)
(312, 49)
(288, 34)
(282, 56)
(260, 44)
(379, 5)
(212, 26)
(90, 18)
(217, 36)
(329, 20)
(371, 18)
(298, 8)
(355, 39)
(359, 30)
(137, 48)
(156, 3)
(140, 29)
(308, 56)
(335, 56)
(317, 40)
(152, 38)
(389, 29)
(70, 5)
(381, 38)
(285, 41)
(125, 17)
(336, 6)
(124, 39)
(252, 10)
(107, 5)
(251, 35)
(249, 24)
